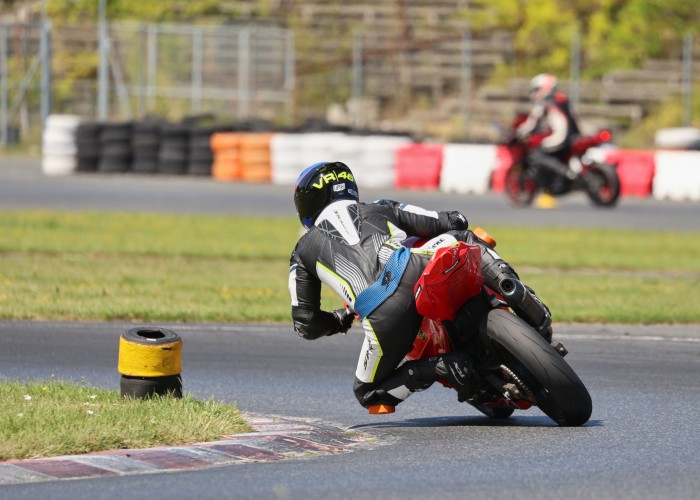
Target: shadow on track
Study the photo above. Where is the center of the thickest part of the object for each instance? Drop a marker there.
(469, 422)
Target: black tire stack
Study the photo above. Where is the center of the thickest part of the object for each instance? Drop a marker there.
(115, 147)
(145, 146)
(173, 156)
(201, 156)
(87, 138)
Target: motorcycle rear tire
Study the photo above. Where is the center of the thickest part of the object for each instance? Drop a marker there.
(604, 191)
(519, 188)
(558, 391)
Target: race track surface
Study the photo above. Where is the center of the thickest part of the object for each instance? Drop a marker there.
(641, 441)
(22, 186)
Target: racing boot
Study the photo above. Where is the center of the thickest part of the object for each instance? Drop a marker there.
(415, 376)
(502, 279)
(455, 367)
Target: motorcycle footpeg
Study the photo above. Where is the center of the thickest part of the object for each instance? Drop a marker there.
(559, 347)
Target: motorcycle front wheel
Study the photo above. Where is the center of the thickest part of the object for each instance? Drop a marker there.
(557, 390)
(520, 187)
(602, 185)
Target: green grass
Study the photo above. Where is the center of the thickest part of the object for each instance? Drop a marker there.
(146, 267)
(42, 419)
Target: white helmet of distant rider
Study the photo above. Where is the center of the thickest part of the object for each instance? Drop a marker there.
(542, 87)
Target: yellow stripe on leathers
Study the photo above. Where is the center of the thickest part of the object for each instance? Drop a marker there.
(143, 360)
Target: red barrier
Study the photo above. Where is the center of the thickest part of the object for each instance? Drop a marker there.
(418, 166)
(635, 169)
(504, 159)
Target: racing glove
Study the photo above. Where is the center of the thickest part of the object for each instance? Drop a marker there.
(457, 220)
(345, 317)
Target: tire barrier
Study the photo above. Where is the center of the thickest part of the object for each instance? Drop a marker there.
(201, 156)
(678, 138)
(87, 138)
(467, 168)
(418, 166)
(677, 175)
(150, 362)
(59, 146)
(115, 147)
(327, 146)
(173, 154)
(227, 159)
(375, 164)
(255, 157)
(379, 161)
(145, 145)
(285, 158)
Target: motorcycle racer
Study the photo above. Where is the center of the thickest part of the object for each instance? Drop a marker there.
(356, 249)
(551, 113)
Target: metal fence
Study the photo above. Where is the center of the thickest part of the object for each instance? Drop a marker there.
(25, 78)
(124, 71)
(242, 72)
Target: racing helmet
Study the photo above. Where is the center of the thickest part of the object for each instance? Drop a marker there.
(320, 185)
(542, 86)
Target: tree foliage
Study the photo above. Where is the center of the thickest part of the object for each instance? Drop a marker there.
(151, 11)
(614, 33)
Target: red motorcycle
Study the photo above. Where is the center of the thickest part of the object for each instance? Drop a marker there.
(524, 180)
(518, 368)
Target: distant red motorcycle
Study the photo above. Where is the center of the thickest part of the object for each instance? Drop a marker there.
(523, 181)
(517, 366)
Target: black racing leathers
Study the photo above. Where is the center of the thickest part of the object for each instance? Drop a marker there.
(376, 230)
(347, 250)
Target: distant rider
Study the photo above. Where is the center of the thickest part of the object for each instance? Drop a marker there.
(550, 114)
(356, 249)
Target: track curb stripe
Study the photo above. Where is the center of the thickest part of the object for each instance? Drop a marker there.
(274, 439)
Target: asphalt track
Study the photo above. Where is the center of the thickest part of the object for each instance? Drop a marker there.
(641, 441)
(22, 186)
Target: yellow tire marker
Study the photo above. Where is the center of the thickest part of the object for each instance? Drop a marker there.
(143, 360)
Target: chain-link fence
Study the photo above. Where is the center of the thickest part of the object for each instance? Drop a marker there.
(237, 73)
(173, 70)
(25, 79)
(122, 71)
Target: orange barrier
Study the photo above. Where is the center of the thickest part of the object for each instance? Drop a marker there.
(256, 158)
(227, 158)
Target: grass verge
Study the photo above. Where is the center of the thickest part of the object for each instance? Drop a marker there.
(43, 419)
(147, 267)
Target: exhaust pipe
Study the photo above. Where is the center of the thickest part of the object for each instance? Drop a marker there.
(524, 303)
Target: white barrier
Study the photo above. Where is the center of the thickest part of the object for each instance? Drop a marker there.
(677, 175)
(467, 168)
(285, 158)
(292, 153)
(59, 148)
(677, 138)
(375, 165)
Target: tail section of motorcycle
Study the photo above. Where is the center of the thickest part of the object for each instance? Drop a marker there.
(518, 367)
